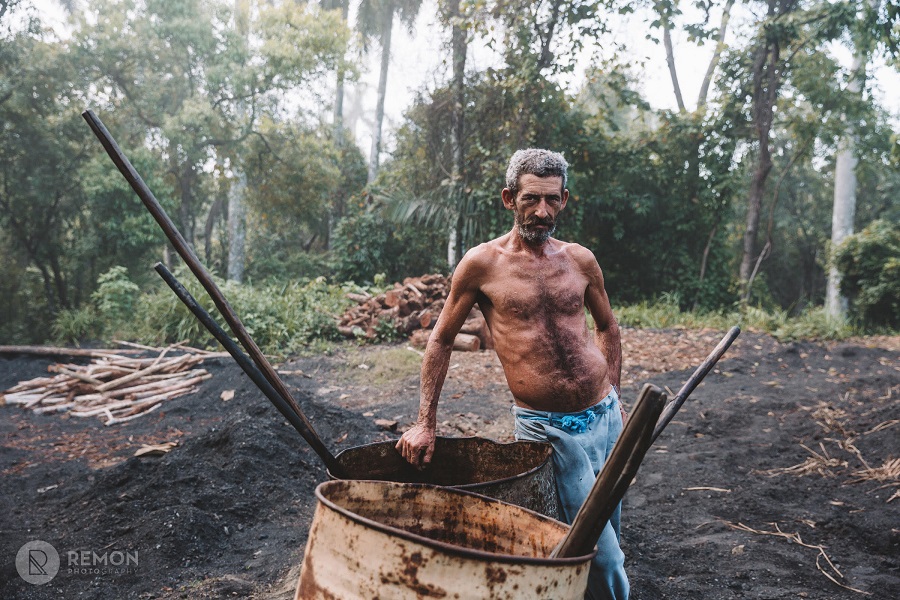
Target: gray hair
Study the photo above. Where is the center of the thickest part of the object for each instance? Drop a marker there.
(535, 161)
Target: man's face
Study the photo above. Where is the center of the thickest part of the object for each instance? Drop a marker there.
(535, 207)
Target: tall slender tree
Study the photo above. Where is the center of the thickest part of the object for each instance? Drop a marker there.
(341, 72)
(376, 21)
(237, 209)
(844, 207)
(459, 48)
(767, 72)
(666, 11)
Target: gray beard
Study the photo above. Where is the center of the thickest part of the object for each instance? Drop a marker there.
(532, 236)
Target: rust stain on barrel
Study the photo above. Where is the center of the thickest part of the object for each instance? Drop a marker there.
(417, 541)
(409, 577)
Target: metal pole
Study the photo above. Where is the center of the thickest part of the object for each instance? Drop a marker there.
(701, 372)
(250, 369)
(181, 246)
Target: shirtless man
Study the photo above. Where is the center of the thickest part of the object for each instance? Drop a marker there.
(564, 378)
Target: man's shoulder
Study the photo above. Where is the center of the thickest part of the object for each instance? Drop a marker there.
(484, 254)
(578, 252)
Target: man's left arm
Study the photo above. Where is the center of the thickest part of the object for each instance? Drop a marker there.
(606, 328)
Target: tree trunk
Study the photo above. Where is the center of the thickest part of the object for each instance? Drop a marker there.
(340, 136)
(237, 208)
(693, 178)
(214, 212)
(184, 178)
(237, 230)
(844, 209)
(48, 288)
(382, 87)
(59, 281)
(670, 59)
(717, 53)
(545, 58)
(766, 81)
(460, 47)
(339, 90)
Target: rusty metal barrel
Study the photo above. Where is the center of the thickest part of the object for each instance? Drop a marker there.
(518, 472)
(402, 541)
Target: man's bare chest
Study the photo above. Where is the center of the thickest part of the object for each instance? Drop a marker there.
(519, 294)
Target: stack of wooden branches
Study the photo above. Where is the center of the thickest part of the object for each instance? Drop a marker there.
(112, 387)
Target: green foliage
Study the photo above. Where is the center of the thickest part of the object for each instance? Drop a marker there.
(386, 331)
(366, 244)
(812, 324)
(41, 151)
(111, 310)
(116, 296)
(869, 262)
(298, 195)
(24, 318)
(75, 325)
(281, 318)
(666, 313)
(199, 96)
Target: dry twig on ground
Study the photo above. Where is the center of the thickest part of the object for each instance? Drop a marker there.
(820, 464)
(795, 538)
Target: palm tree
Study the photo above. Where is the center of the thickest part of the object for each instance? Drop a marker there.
(376, 20)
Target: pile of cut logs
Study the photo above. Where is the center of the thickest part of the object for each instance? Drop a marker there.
(112, 387)
(412, 307)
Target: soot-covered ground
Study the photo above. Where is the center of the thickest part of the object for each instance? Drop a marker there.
(778, 479)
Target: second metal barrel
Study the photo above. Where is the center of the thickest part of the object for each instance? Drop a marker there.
(520, 473)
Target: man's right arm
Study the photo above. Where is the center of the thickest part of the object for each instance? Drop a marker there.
(417, 444)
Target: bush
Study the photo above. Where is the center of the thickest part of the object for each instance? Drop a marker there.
(115, 296)
(73, 325)
(812, 324)
(365, 244)
(281, 318)
(111, 309)
(869, 263)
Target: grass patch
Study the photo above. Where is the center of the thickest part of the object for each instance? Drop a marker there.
(300, 318)
(386, 365)
(811, 324)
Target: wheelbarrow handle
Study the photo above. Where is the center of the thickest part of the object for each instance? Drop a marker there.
(695, 379)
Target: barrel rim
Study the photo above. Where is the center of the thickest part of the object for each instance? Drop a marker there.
(444, 546)
(466, 486)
